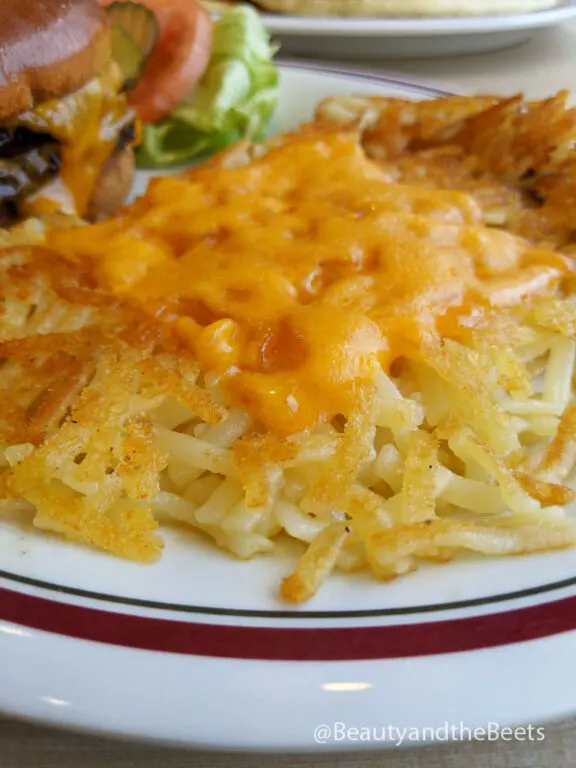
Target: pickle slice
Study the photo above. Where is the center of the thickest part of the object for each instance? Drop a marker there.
(128, 55)
(138, 21)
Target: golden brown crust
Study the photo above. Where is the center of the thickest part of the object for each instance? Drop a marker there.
(113, 186)
(514, 157)
(48, 49)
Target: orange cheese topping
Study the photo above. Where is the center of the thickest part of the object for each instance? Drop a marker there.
(297, 276)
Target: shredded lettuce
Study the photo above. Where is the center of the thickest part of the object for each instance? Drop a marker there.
(235, 98)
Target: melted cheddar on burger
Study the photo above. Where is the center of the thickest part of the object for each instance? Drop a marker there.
(66, 132)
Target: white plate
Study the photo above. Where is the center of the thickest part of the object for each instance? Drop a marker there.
(369, 39)
(197, 650)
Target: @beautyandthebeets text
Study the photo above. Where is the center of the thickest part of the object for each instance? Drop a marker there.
(344, 733)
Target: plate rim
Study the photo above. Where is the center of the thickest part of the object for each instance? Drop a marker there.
(366, 74)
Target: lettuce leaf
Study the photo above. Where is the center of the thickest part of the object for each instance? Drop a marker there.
(235, 98)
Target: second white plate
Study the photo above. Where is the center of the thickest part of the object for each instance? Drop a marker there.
(377, 39)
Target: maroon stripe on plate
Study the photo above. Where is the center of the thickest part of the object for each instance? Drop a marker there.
(289, 644)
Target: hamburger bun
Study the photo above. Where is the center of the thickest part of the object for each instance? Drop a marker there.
(48, 49)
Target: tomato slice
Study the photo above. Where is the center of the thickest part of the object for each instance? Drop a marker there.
(178, 60)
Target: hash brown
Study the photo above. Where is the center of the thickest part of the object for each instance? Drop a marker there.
(324, 352)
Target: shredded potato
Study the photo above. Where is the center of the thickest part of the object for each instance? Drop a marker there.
(378, 375)
(316, 564)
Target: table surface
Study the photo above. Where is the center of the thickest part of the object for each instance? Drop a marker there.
(538, 68)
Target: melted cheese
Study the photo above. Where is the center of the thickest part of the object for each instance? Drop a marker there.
(298, 276)
(87, 124)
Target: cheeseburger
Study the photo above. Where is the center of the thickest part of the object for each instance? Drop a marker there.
(66, 131)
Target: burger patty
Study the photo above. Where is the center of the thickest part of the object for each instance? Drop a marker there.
(16, 141)
(126, 136)
(28, 160)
